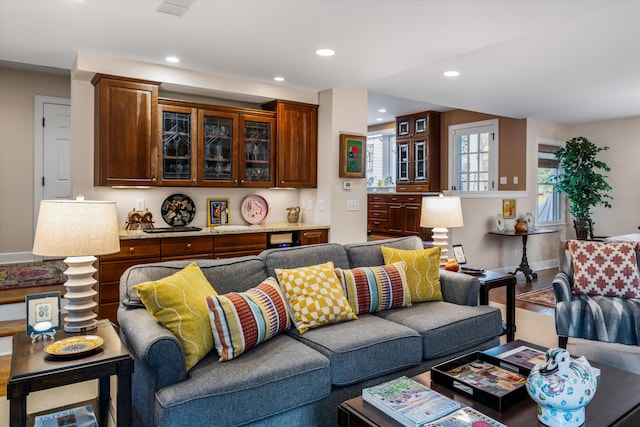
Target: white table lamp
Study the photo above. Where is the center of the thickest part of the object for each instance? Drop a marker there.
(78, 230)
(439, 213)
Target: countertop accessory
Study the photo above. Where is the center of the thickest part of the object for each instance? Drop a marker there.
(254, 209)
(531, 220)
(178, 210)
(293, 214)
(500, 222)
(218, 212)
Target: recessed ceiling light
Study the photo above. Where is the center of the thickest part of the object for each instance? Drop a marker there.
(172, 59)
(278, 78)
(379, 119)
(325, 52)
(382, 110)
(451, 73)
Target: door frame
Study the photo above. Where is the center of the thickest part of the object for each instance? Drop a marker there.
(38, 148)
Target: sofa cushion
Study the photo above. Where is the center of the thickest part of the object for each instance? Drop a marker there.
(371, 289)
(608, 270)
(314, 296)
(281, 374)
(366, 348)
(423, 271)
(301, 256)
(367, 254)
(178, 303)
(448, 328)
(241, 321)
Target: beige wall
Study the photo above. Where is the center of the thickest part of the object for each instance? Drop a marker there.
(18, 89)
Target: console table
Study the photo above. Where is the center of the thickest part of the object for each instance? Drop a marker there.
(524, 263)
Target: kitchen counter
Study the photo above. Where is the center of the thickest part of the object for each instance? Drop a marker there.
(225, 229)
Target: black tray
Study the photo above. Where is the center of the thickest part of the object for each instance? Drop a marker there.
(491, 393)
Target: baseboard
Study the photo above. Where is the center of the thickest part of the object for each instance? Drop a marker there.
(6, 345)
(16, 257)
(539, 265)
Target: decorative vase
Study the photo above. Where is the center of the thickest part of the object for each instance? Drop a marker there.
(562, 387)
(294, 214)
(521, 226)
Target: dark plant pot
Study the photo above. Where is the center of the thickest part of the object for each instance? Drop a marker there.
(583, 228)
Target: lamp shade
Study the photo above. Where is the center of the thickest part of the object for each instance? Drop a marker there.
(441, 212)
(73, 228)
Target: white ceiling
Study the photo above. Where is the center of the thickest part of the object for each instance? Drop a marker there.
(565, 61)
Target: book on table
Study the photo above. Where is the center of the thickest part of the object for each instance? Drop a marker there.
(409, 402)
(82, 416)
(465, 417)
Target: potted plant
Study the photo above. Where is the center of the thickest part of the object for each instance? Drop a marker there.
(583, 183)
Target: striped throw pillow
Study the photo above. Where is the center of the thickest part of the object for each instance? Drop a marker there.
(371, 289)
(241, 321)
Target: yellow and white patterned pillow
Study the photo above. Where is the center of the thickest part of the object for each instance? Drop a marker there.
(423, 271)
(315, 296)
(178, 303)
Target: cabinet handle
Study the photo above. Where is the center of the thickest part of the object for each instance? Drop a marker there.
(194, 180)
(154, 179)
(242, 180)
(188, 245)
(132, 250)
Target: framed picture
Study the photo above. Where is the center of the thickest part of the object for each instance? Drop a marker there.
(43, 313)
(458, 253)
(352, 156)
(218, 212)
(509, 208)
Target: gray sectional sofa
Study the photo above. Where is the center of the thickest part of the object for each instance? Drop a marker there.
(295, 379)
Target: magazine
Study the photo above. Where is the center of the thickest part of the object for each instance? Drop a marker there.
(82, 416)
(490, 378)
(409, 402)
(523, 356)
(466, 417)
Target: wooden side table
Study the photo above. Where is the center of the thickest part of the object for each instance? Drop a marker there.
(491, 280)
(32, 370)
(524, 267)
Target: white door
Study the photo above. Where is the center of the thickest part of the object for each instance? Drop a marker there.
(52, 150)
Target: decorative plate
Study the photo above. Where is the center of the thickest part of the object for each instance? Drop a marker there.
(500, 222)
(254, 209)
(531, 221)
(178, 210)
(74, 345)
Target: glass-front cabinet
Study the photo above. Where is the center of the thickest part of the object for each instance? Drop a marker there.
(418, 152)
(257, 153)
(178, 150)
(218, 148)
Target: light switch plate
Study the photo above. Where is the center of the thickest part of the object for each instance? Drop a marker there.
(320, 205)
(310, 204)
(503, 180)
(515, 179)
(353, 205)
(139, 204)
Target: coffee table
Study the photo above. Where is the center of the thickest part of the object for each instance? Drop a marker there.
(32, 370)
(616, 402)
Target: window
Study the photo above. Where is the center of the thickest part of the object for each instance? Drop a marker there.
(381, 159)
(549, 200)
(473, 156)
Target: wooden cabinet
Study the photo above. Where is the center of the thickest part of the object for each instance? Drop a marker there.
(177, 248)
(297, 144)
(314, 237)
(126, 115)
(230, 245)
(178, 145)
(418, 152)
(218, 147)
(392, 215)
(257, 154)
(377, 213)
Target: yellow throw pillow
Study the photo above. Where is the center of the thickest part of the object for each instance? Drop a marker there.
(423, 271)
(178, 303)
(315, 296)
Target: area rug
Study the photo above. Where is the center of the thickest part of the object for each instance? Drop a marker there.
(31, 274)
(543, 297)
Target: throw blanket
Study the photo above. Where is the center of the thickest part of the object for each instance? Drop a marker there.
(31, 274)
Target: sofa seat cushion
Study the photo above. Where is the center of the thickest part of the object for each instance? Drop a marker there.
(279, 375)
(365, 348)
(448, 328)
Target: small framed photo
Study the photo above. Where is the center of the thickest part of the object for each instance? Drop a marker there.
(218, 212)
(458, 253)
(509, 208)
(352, 156)
(43, 313)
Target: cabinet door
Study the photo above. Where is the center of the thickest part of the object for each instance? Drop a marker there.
(412, 213)
(217, 148)
(314, 237)
(403, 161)
(297, 161)
(126, 123)
(396, 218)
(178, 152)
(419, 161)
(257, 153)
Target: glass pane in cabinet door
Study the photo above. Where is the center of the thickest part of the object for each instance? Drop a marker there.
(176, 145)
(403, 162)
(257, 151)
(420, 161)
(218, 148)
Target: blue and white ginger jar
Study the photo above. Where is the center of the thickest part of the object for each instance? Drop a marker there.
(562, 387)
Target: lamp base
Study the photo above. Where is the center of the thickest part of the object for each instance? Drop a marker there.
(81, 316)
(440, 239)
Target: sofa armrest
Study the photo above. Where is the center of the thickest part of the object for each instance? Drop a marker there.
(153, 345)
(562, 287)
(459, 288)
